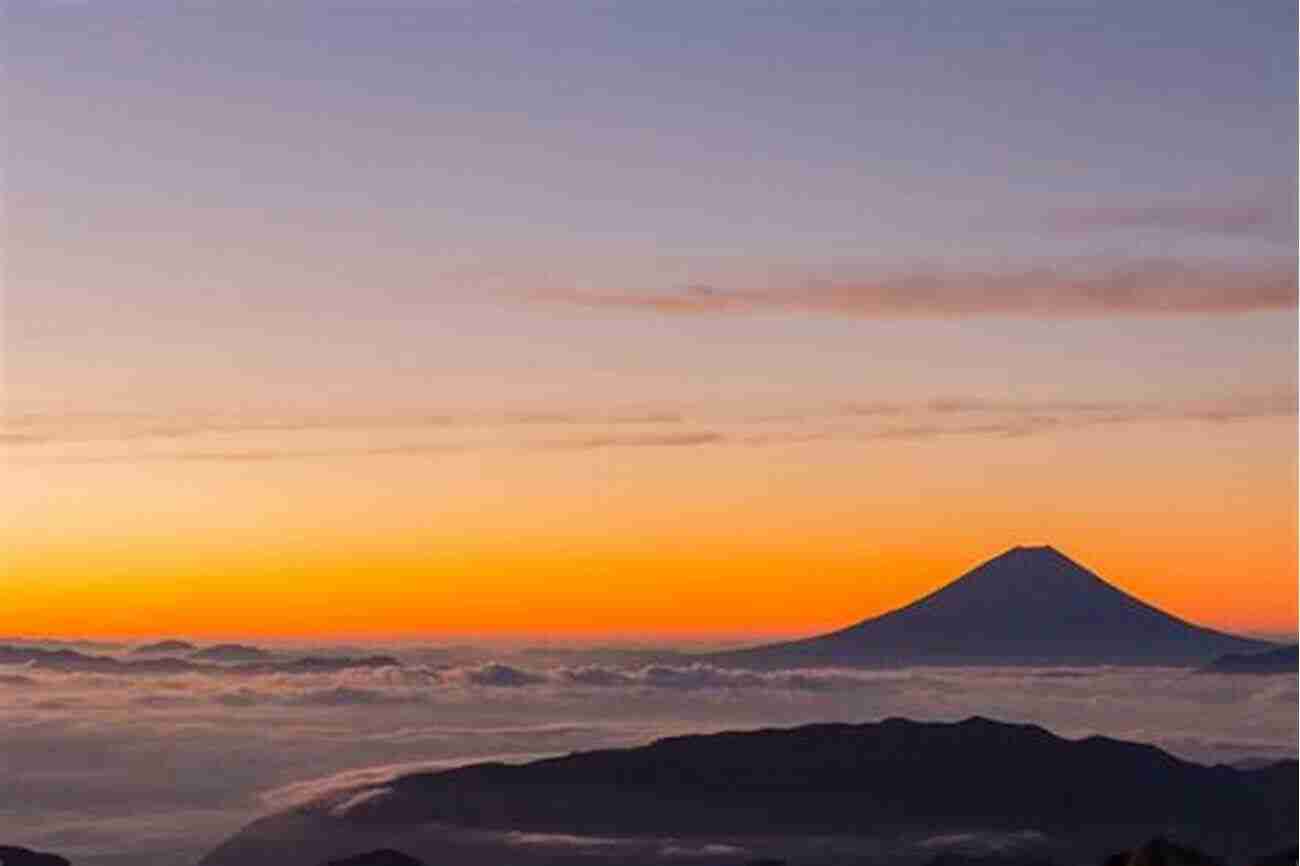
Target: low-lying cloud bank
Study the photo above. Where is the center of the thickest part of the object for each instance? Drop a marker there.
(704, 676)
(346, 682)
(113, 762)
(322, 682)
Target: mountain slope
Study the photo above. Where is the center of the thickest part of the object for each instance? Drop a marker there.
(875, 781)
(1029, 605)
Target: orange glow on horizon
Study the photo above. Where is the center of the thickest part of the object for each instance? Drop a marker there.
(683, 543)
(740, 595)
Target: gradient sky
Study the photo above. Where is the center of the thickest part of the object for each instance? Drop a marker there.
(640, 319)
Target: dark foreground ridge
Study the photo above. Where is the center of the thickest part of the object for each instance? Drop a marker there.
(1157, 852)
(892, 780)
(1029, 605)
(14, 856)
(382, 857)
(1163, 852)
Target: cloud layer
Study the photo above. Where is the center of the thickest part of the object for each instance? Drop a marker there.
(157, 767)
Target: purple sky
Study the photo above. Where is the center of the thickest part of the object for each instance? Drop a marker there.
(305, 186)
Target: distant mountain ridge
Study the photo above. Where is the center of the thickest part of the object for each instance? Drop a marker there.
(1028, 605)
(164, 646)
(1283, 660)
(231, 652)
(73, 661)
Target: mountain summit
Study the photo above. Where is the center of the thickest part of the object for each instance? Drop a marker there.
(1029, 605)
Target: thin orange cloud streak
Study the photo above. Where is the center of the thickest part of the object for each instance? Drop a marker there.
(1074, 288)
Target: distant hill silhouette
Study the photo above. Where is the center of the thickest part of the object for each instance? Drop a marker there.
(316, 665)
(1284, 660)
(231, 652)
(164, 646)
(71, 660)
(1029, 605)
(11, 855)
(831, 780)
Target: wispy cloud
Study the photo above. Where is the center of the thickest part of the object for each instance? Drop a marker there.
(1272, 220)
(642, 440)
(589, 443)
(1001, 418)
(22, 428)
(860, 420)
(613, 416)
(255, 455)
(1077, 288)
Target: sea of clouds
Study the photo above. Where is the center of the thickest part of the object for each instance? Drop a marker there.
(121, 768)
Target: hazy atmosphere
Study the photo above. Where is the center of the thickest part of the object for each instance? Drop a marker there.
(484, 379)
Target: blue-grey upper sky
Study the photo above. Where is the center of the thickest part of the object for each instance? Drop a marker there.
(247, 147)
(511, 187)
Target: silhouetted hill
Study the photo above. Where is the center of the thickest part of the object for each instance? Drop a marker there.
(71, 660)
(231, 652)
(13, 856)
(1030, 605)
(316, 665)
(62, 643)
(891, 777)
(164, 646)
(1284, 660)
